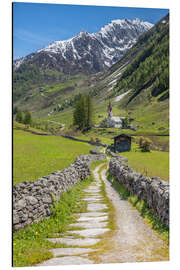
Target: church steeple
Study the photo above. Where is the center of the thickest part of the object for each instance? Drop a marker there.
(110, 114)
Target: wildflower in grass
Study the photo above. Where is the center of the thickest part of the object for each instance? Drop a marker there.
(36, 233)
(14, 244)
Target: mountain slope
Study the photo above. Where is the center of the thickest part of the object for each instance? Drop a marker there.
(88, 53)
(147, 64)
(138, 85)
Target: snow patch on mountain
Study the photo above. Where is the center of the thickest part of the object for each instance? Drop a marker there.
(18, 62)
(118, 98)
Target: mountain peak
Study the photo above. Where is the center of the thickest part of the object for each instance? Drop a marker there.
(94, 52)
(83, 32)
(137, 20)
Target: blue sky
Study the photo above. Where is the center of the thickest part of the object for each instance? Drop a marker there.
(37, 25)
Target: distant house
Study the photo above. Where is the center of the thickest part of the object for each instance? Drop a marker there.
(122, 143)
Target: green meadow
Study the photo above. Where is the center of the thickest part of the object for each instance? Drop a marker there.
(35, 156)
(151, 164)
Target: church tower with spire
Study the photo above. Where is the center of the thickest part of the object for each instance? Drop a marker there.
(110, 114)
(114, 121)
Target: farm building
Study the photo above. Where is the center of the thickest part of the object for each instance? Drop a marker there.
(122, 143)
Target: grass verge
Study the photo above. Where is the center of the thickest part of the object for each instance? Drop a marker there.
(30, 246)
(111, 209)
(96, 163)
(154, 222)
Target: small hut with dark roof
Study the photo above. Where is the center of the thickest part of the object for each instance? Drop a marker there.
(122, 143)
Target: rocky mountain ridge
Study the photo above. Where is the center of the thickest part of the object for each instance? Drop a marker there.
(89, 53)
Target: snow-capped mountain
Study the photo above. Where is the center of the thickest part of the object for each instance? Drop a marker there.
(89, 53)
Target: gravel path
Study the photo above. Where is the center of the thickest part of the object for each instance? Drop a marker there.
(132, 239)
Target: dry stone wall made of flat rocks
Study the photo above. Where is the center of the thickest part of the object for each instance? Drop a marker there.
(152, 190)
(32, 200)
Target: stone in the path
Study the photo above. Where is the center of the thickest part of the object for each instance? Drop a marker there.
(69, 260)
(91, 193)
(70, 251)
(93, 214)
(89, 225)
(90, 232)
(95, 186)
(92, 190)
(75, 241)
(96, 207)
(91, 199)
(94, 219)
(98, 196)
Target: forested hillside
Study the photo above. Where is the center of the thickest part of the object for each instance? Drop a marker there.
(150, 67)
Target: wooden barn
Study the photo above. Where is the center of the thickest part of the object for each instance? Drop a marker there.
(122, 143)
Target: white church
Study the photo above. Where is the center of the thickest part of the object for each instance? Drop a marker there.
(114, 121)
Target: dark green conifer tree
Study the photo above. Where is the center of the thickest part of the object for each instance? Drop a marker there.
(19, 117)
(83, 113)
(90, 112)
(28, 119)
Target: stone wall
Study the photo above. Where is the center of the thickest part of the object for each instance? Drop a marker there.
(32, 200)
(117, 156)
(152, 190)
(81, 140)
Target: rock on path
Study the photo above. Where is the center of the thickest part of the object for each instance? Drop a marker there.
(132, 239)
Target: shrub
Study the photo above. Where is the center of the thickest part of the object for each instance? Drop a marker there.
(98, 140)
(144, 144)
(92, 140)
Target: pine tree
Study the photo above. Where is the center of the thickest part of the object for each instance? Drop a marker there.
(19, 116)
(90, 112)
(28, 119)
(83, 116)
(80, 115)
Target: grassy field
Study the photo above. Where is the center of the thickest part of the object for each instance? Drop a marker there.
(57, 87)
(154, 163)
(19, 126)
(36, 156)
